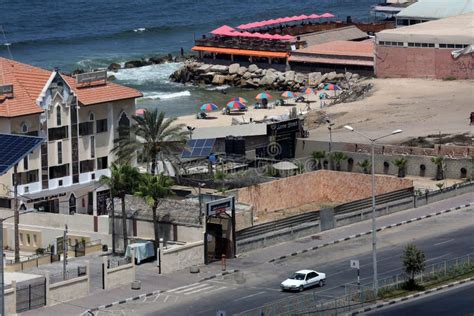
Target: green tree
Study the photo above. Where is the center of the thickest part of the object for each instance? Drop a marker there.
(401, 163)
(338, 157)
(365, 166)
(438, 161)
(318, 157)
(413, 262)
(153, 188)
(157, 138)
(123, 180)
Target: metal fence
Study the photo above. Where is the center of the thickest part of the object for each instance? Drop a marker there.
(71, 273)
(30, 296)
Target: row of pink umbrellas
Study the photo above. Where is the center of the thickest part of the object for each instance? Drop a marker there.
(284, 20)
(229, 31)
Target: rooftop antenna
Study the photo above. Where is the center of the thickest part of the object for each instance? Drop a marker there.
(7, 45)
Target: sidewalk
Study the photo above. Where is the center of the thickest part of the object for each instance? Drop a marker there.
(151, 281)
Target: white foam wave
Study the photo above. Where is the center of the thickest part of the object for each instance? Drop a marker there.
(140, 29)
(165, 95)
(223, 87)
(151, 73)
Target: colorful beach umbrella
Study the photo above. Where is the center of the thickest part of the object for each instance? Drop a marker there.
(263, 95)
(288, 94)
(235, 105)
(331, 87)
(309, 91)
(209, 107)
(239, 99)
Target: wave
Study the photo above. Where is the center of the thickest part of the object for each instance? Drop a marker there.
(140, 29)
(214, 88)
(165, 95)
(147, 74)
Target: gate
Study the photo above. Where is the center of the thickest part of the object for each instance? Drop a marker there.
(31, 296)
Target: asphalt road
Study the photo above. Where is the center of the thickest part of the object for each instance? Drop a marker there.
(443, 237)
(459, 301)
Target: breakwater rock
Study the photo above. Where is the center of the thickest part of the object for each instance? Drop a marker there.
(254, 77)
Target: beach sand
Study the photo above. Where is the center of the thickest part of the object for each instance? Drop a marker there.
(419, 107)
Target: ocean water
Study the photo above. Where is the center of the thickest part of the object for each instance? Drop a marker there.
(71, 34)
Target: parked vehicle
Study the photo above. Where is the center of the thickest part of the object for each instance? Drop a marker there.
(303, 279)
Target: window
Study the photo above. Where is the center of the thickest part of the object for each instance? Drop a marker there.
(92, 147)
(451, 46)
(60, 153)
(87, 165)
(443, 45)
(431, 45)
(24, 128)
(59, 171)
(72, 204)
(86, 128)
(411, 44)
(102, 163)
(28, 240)
(91, 117)
(27, 177)
(58, 116)
(25, 163)
(57, 133)
(34, 240)
(124, 125)
(101, 126)
(381, 43)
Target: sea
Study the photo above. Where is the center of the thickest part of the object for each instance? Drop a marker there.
(89, 34)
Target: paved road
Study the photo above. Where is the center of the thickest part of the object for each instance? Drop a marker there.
(442, 237)
(459, 301)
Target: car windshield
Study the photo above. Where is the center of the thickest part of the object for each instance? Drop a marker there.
(297, 276)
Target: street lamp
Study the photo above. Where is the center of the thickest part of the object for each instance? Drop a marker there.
(2, 287)
(330, 125)
(374, 237)
(200, 185)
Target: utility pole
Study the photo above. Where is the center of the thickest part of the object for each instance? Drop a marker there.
(65, 246)
(2, 295)
(16, 214)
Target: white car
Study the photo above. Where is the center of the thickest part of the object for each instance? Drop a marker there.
(303, 279)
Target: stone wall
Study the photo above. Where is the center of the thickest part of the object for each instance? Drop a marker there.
(68, 290)
(322, 187)
(182, 257)
(121, 275)
(9, 296)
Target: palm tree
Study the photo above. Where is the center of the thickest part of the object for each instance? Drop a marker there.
(438, 161)
(338, 157)
(365, 166)
(123, 180)
(318, 156)
(153, 188)
(401, 164)
(156, 136)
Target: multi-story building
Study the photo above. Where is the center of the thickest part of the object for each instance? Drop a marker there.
(79, 118)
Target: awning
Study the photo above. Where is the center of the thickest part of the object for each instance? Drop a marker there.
(241, 52)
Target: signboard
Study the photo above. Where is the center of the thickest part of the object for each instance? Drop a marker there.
(217, 207)
(59, 245)
(91, 76)
(355, 264)
(290, 126)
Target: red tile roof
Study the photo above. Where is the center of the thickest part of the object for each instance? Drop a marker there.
(340, 48)
(28, 82)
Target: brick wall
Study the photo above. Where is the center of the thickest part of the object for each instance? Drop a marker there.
(412, 62)
(321, 186)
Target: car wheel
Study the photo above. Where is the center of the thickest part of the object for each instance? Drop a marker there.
(301, 288)
(321, 283)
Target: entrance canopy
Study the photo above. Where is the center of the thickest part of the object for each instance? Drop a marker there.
(14, 148)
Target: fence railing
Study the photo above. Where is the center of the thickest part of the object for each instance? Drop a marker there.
(71, 273)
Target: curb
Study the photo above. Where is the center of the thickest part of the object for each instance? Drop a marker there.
(370, 232)
(134, 298)
(406, 298)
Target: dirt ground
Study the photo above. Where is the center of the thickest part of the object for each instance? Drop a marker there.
(420, 107)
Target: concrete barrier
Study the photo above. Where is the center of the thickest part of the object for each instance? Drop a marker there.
(121, 275)
(67, 290)
(182, 257)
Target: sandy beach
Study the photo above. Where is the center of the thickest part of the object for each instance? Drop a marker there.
(419, 107)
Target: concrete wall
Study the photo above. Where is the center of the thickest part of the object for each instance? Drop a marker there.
(395, 62)
(455, 157)
(10, 299)
(182, 257)
(121, 275)
(323, 187)
(67, 290)
(32, 263)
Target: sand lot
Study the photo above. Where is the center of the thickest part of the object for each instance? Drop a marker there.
(419, 107)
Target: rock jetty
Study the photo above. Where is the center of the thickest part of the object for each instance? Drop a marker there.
(252, 76)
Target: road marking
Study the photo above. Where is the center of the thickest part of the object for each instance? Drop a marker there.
(166, 298)
(248, 296)
(443, 242)
(157, 296)
(438, 257)
(207, 287)
(217, 289)
(182, 287)
(192, 288)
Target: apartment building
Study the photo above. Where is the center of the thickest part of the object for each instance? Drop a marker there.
(79, 118)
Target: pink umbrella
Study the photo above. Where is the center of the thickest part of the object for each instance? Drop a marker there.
(327, 15)
(314, 16)
(287, 19)
(222, 29)
(140, 112)
(303, 17)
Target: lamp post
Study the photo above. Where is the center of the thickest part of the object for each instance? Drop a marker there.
(200, 185)
(330, 125)
(2, 287)
(374, 229)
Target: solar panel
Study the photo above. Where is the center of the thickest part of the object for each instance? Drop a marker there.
(14, 148)
(198, 148)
